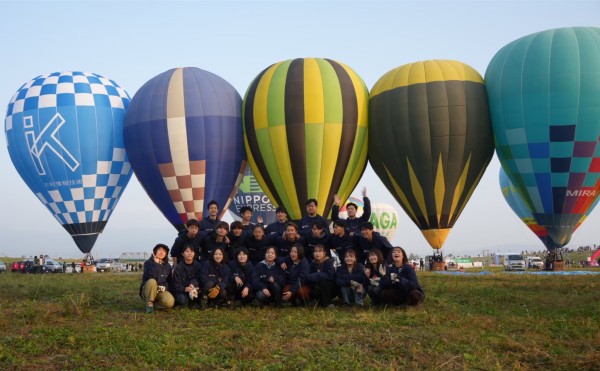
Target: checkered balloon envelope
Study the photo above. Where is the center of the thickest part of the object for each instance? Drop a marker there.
(64, 133)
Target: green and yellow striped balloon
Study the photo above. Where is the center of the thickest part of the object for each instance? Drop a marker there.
(305, 131)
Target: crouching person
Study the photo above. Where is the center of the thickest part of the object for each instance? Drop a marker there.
(186, 280)
(350, 277)
(268, 279)
(400, 285)
(240, 286)
(215, 278)
(296, 269)
(155, 280)
(322, 277)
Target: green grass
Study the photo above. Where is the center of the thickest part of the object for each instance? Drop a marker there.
(497, 321)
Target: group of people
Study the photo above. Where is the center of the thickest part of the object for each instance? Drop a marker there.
(217, 264)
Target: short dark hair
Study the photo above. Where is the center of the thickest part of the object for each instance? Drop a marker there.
(245, 208)
(312, 200)
(281, 209)
(222, 224)
(340, 223)
(236, 225)
(352, 204)
(212, 202)
(366, 225)
(318, 224)
(192, 222)
(188, 246)
(291, 224)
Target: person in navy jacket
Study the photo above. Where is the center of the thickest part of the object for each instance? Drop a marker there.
(375, 269)
(278, 227)
(311, 216)
(322, 277)
(209, 223)
(215, 277)
(240, 285)
(191, 236)
(186, 279)
(296, 269)
(289, 238)
(342, 241)
(350, 278)
(213, 239)
(370, 240)
(236, 239)
(353, 222)
(400, 284)
(155, 288)
(257, 244)
(317, 236)
(268, 279)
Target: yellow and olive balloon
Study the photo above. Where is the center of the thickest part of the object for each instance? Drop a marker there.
(305, 131)
(430, 140)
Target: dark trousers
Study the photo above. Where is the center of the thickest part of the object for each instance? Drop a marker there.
(275, 290)
(323, 291)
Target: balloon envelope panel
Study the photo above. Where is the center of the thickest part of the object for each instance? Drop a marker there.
(544, 93)
(183, 134)
(64, 133)
(305, 127)
(430, 140)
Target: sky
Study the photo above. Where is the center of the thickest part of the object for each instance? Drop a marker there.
(132, 41)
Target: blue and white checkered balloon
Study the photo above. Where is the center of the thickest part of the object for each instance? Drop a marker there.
(64, 132)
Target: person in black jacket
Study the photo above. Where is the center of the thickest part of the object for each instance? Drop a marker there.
(216, 238)
(342, 241)
(257, 244)
(278, 227)
(322, 277)
(289, 238)
(375, 269)
(296, 269)
(350, 278)
(186, 280)
(191, 236)
(209, 223)
(400, 284)
(311, 216)
(215, 275)
(353, 222)
(370, 240)
(317, 236)
(154, 289)
(236, 239)
(240, 285)
(268, 279)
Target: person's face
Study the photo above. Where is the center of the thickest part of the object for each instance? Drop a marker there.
(237, 231)
(258, 233)
(188, 254)
(221, 231)
(367, 233)
(160, 253)
(372, 258)
(319, 254)
(218, 257)
(290, 232)
(281, 216)
(294, 254)
(213, 210)
(350, 259)
(351, 210)
(316, 231)
(192, 231)
(397, 256)
(270, 255)
(311, 209)
(247, 215)
(338, 230)
(242, 257)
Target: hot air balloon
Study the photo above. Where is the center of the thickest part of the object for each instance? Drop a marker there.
(65, 137)
(384, 217)
(183, 134)
(305, 130)
(250, 194)
(544, 94)
(430, 140)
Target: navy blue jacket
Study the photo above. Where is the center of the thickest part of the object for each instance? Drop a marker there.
(321, 271)
(207, 224)
(407, 276)
(215, 275)
(182, 240)
(341, 244)
(262, 272)
(284, 246)
(245, 273)
(161, 272)
(256, 248)
(378, 242)
(312, 241)
(305, 224)
(353, 225)
(343, 276)
(235, 242)
(209, 243)
(276, 228)
(185, 275)
(296, 274)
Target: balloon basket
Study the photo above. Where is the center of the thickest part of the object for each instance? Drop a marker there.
(89, 269)
(555, 265)
(438, 266)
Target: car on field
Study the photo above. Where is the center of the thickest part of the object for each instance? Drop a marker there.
(52, 266)
(15, 266)
(109, 265)
(534, 262)
(2, 266)
(514, 262)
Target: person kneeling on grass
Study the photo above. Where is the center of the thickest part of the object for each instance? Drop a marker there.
(186, 279)
(350, 277)
(268, 279)
(240, 286)
(322, 277)
(155, 280)
(215, 278)
(400, 285)
(296, 269)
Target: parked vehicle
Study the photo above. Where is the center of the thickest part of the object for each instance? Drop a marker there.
(15, 266)
(109, 265)
(53, 266)
(2, 266)
(514, 262)
(534, 262)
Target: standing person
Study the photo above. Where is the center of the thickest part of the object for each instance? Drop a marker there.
(268, 279)
(296, 269)
(370, 240)
(154, 289)
(209, 223)
(36, 265)
(257, 244)
(42, 262)
(311, 216)
(236, 239)
(191, 236)
(246, 213)
(240, 286)
(278, 227)
(400, 284)
(215, 276)
(421, 264)
(350, 278)
(375, 268)
(186, 280)
(342, 241)
(289, 238)
(73, 267)
(353, 222)
(217, 237)
(322, 277)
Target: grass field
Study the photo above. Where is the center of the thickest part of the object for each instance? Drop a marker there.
(495, 321)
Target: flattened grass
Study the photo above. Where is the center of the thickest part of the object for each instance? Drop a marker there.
(496, 321)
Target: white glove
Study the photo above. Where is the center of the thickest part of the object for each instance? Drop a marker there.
(161, 288)
(193, 294)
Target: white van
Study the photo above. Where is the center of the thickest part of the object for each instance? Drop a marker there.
(534, 262)
(514, 262)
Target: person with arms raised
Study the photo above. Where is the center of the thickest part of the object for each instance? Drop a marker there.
(353, 222)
